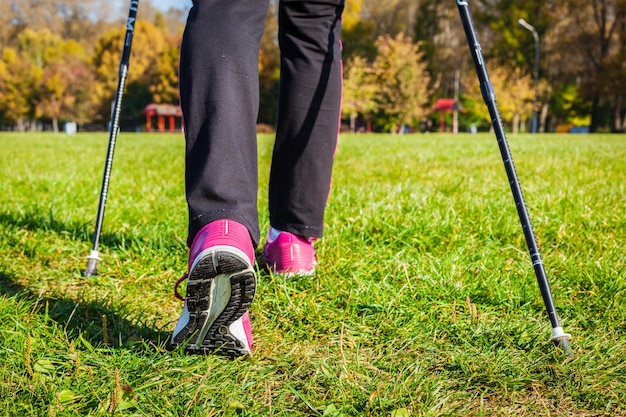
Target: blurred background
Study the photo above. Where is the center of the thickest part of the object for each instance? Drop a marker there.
(555, 66)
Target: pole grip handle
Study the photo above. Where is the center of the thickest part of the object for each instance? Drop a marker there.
(130, 29)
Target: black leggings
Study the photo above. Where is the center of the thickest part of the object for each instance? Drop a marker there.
(219, 93)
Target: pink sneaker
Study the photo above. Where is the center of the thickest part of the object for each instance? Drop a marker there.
(289, 254)
(220, 288)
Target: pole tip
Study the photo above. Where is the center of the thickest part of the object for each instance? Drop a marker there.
(561, 340)
(565, 346)
(92, 264)
(90, 271)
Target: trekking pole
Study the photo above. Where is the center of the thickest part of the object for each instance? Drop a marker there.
(559, 337)
(93, 258)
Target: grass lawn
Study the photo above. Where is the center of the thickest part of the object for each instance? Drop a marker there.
(425, 302)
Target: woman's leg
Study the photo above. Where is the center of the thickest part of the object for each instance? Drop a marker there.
(308, 115)
(219, 95)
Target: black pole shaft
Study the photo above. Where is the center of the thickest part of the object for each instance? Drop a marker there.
(559, 338)
(93, 258)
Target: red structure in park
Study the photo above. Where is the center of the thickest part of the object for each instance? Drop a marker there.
(162, 112)
(443, 106)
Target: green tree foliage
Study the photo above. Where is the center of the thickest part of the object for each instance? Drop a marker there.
(571, 108)
(509, 43)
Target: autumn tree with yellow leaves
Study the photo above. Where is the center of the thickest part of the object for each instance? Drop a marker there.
(514, 94)
(403, 82)
(359, 90)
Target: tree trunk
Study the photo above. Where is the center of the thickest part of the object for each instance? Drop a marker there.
(543, 118)
(545, 107)
(516, 123)
(620, 120)
(595, 114)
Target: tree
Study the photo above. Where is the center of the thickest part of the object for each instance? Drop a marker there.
(25, 71)
(85, 20)
(18, 78)
(508, 43)
(175, 21)
(63, 91)
(44, 77)
(164, 86)
(403, 81)
(71, 19)
(605, 60)
(442, 40)
(514, 93)
(616, 75)
(591, 56)
(357, 33)
(391, 17)
(359, 90)
(149, 43)
(7, 27)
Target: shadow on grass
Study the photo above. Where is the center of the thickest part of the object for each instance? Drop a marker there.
(87, 319)
(41, 221)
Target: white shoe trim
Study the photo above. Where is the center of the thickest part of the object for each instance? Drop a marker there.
(236, 329)
(182, 321)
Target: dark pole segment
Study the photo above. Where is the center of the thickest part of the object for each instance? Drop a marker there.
(93, 258)
(559, 338)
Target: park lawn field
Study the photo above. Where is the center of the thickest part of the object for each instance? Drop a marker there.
(424, 304)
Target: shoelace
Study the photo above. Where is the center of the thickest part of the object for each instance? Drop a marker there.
(176, 293)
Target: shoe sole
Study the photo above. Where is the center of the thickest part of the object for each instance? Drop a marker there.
(220, 289)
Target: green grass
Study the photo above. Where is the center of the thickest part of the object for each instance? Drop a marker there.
(424, 304)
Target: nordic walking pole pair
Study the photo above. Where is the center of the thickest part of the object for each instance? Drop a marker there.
(559, 337)
(93, 258)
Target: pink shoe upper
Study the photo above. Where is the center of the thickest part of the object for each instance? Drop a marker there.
(222, 233)
(290, 253)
